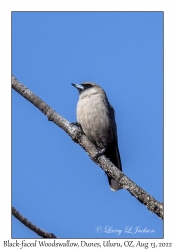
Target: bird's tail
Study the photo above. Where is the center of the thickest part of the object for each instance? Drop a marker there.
(114, 185)
(113, 154)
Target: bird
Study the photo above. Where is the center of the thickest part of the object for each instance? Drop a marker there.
(97, 118)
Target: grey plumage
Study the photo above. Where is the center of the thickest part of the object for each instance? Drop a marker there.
(97, 119)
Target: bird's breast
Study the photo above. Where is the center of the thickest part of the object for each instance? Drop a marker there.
(93, 115)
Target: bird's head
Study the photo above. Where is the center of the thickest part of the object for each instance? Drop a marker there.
(88, 88)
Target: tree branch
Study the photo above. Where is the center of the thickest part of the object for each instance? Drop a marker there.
(31, 226)
(77, 135)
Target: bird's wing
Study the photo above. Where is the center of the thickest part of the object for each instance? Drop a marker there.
(112, 109)
(116, 154)
(112, 115)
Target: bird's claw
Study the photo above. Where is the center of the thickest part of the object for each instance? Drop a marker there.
(100, 153)
(76, 124)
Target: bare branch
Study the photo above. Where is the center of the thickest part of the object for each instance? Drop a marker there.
(31, 226)
(77, 135)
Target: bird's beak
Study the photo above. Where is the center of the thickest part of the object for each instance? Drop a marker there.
(78, 86)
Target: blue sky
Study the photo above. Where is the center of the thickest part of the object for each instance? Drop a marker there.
(54, 182)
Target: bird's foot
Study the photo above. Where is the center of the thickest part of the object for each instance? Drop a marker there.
(100, 153)
(76, 124)
(77, 132)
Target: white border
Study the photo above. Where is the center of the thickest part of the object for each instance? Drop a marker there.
(5, 91)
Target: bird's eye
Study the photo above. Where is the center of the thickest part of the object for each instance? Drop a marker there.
(87, 86)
